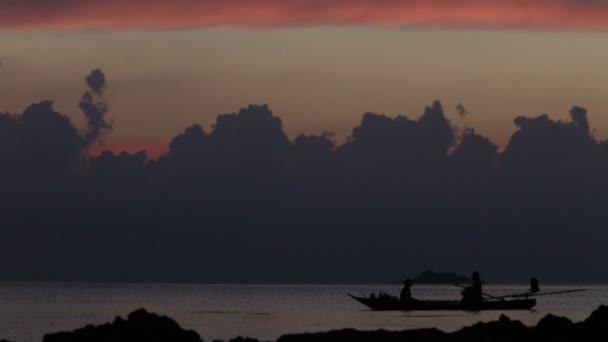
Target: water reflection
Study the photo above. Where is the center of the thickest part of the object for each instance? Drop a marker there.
(262, 311)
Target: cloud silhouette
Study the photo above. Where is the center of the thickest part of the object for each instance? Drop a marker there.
(540, 140)
(462, 112)
(476, 151)
(115, 14)
(314, 145)
(190, 144)
(95, 107)
(253, 131)
(97, 81)
(46, 140)
(240, 202)
(399, 139)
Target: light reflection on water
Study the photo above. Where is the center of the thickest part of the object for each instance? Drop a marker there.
(29, 310)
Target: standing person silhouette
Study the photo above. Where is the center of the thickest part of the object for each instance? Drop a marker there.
(406, 293)
(472, 296)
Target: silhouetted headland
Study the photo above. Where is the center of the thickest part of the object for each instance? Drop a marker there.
(143, 326)
(431, 277)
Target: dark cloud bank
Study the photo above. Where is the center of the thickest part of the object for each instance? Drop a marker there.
(241, 202)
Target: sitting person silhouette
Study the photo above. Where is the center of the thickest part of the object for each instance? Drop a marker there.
(406, 293)
(473, 295)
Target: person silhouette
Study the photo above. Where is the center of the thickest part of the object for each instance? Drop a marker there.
(406, 293)
(473, 295)
(534, 288)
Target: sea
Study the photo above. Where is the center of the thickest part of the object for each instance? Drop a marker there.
(28, 311)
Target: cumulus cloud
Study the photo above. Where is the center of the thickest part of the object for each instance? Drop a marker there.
(243, 203)
(462, 112)
(540, 140)
(95, 107)
(117, 14)
(97, 81)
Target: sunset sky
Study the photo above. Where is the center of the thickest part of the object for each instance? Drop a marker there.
(319, 64)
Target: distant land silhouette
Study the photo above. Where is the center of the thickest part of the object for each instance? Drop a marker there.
(241, 202)
(431, 277)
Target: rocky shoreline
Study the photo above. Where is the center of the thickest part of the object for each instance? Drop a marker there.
(141, 325)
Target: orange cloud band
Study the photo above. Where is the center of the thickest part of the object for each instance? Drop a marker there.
(162, 14)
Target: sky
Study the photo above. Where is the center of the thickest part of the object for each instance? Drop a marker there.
(319, 64)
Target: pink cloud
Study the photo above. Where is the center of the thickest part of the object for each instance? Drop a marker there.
(162, 14)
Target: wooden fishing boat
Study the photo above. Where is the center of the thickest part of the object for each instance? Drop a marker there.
(392, 303)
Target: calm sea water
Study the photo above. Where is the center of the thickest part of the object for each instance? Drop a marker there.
(29, 310)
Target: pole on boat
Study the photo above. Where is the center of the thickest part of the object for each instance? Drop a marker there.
(534, 291)
(536, 294)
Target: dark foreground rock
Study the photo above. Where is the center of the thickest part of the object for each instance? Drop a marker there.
(351, 335)
(139, 326)
(144, 326)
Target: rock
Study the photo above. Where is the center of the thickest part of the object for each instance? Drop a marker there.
(555, 328)
(143, 326)
(598, 318)
(594, 328)
(140, 326)
(351, 335)
(244, 339)
(505, 329)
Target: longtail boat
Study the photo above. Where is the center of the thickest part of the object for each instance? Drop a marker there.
(392, 303)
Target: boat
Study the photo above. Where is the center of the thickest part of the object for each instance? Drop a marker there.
(386, 302)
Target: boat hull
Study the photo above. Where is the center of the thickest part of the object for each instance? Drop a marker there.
(394, 304)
